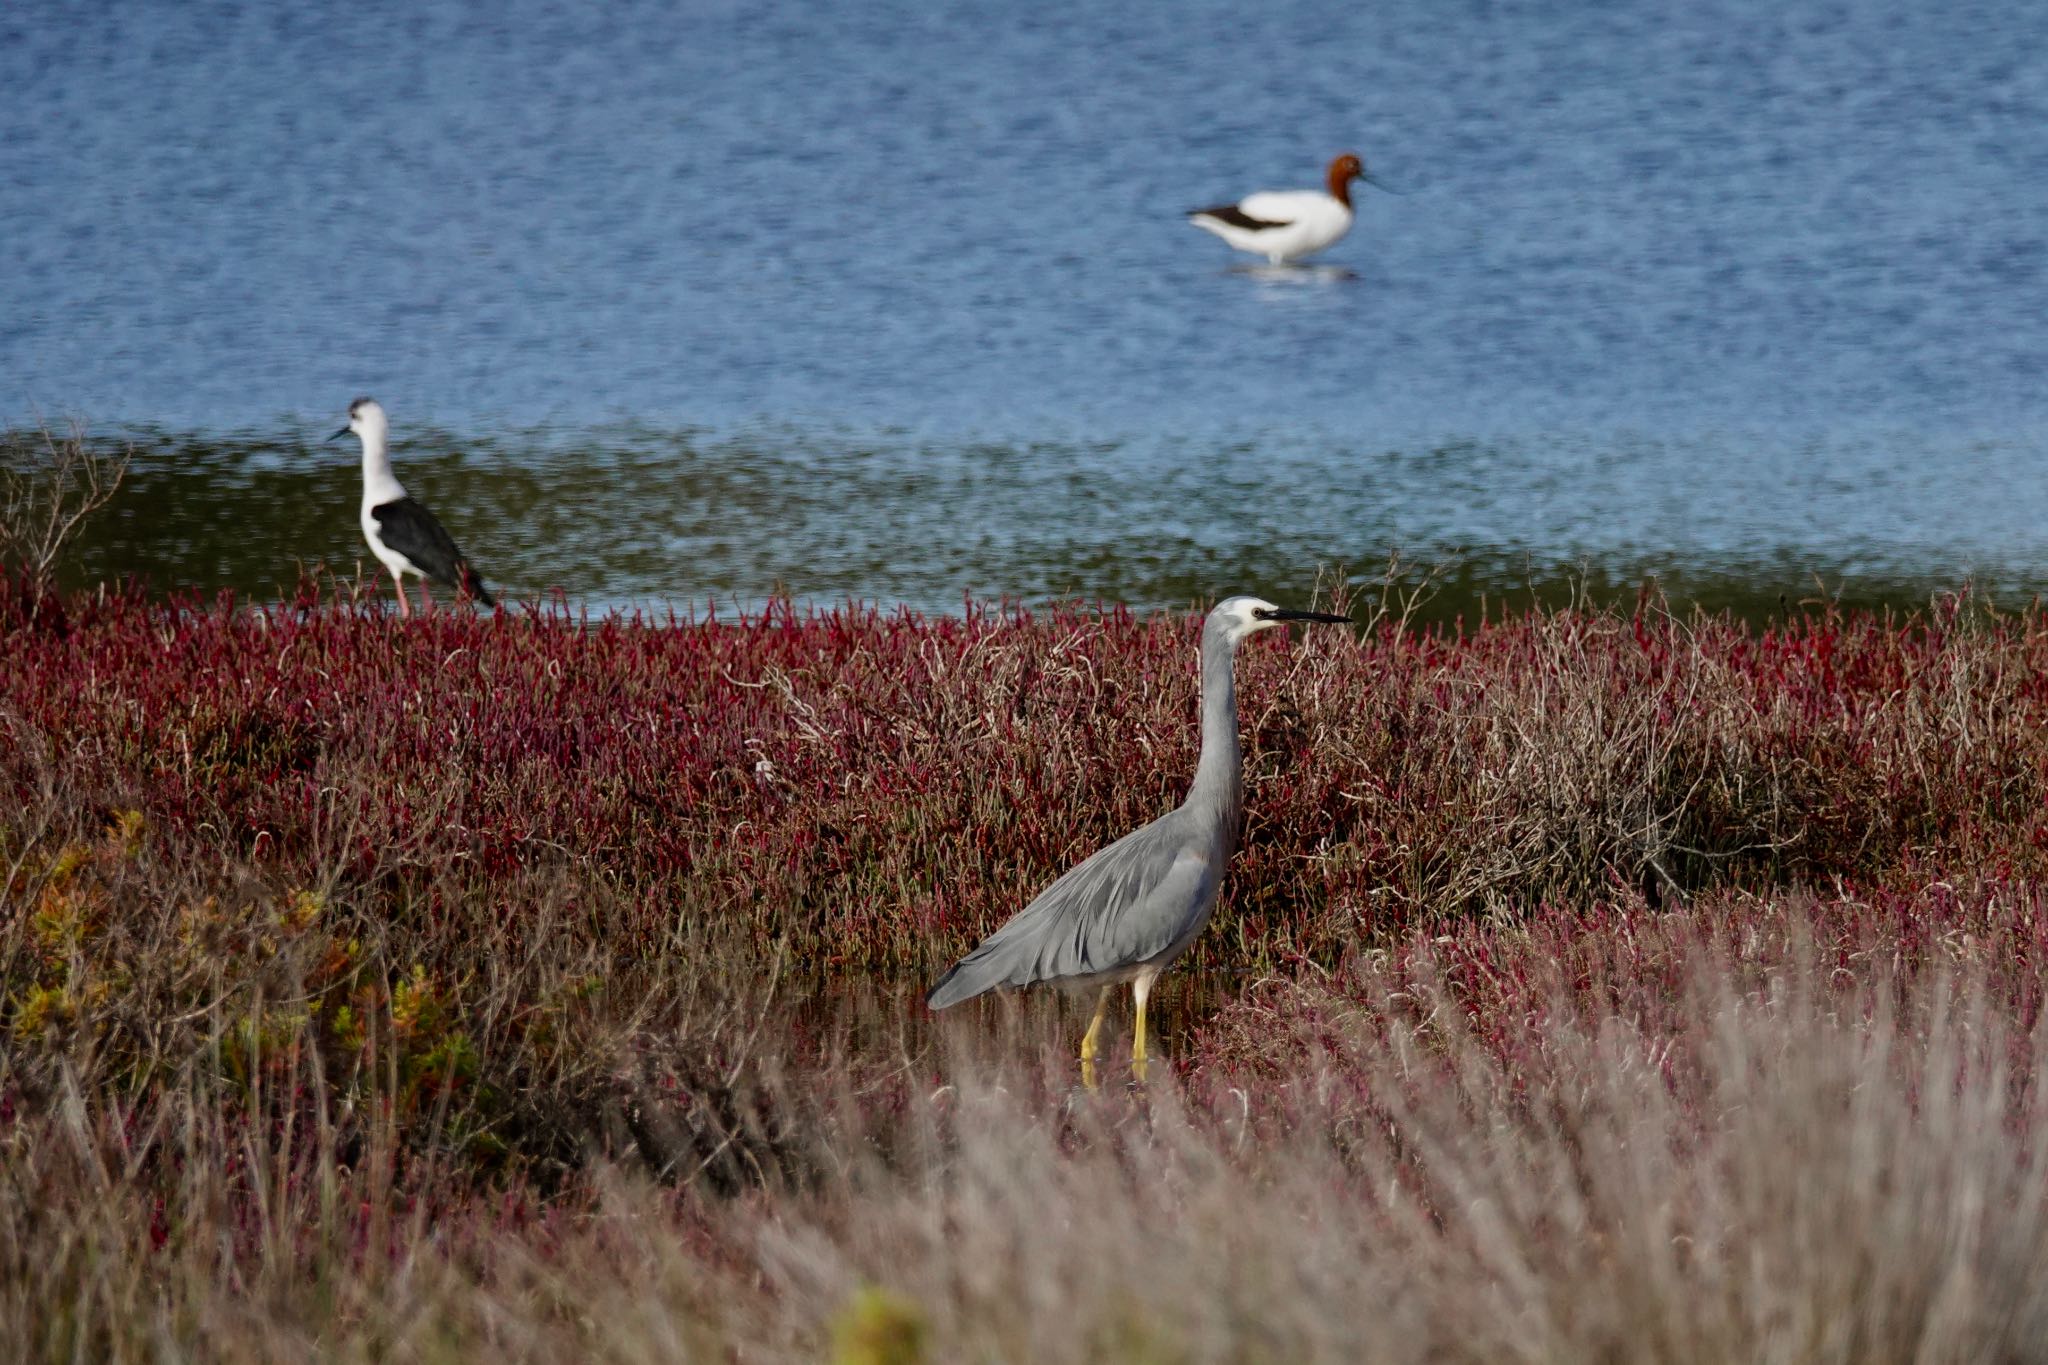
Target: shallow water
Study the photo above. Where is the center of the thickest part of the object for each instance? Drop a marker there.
(723, 520)
(689, 303)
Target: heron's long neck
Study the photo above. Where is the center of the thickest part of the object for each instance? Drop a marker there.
(380, 485)
(1219, 775)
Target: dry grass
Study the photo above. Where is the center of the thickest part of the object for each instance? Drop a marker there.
(1786, 1166)
(50, 486)
(497, 986)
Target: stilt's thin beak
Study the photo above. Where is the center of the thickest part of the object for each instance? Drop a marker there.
(1283, 614)
(339, 434)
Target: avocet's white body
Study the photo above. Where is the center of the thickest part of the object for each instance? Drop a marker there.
(1287, 225)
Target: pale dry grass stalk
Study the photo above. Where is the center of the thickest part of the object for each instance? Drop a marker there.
(50, 485)
(1800, 1173)
(1790, 1167)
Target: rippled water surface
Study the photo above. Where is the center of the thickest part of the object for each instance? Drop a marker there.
(895, 301)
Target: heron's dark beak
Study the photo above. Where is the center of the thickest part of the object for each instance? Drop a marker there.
(339, 434)
(1283, 614)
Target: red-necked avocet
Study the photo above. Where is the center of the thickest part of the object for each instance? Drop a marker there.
(1286, 225)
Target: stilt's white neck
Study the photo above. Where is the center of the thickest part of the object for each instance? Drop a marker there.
(380, 485)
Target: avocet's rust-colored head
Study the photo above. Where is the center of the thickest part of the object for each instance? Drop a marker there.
(1345, 169)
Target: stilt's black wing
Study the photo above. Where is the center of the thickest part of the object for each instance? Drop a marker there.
(411, 530)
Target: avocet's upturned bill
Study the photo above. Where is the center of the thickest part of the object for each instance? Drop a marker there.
(405, 537)
(1287, 225)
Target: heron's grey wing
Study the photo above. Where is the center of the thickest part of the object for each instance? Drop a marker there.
(1125, 905)
(418, 534)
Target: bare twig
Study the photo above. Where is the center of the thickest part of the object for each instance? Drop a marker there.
(49, 487)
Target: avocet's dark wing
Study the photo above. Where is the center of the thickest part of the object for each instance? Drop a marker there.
(1236, 217)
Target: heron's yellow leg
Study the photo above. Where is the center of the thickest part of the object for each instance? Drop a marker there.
(1088, 1039)
(1140, 988)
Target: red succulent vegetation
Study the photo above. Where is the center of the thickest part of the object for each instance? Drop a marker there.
(389, 969)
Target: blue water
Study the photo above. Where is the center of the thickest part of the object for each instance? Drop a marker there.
(1750, 289)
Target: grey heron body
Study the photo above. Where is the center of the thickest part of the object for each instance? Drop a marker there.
(405, 537)
(1128, 910)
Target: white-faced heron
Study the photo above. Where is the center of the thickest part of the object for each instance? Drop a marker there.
(402, 534)
(1130, 909)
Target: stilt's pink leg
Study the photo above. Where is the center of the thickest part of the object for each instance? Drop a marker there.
(404, 607)
(426, 597)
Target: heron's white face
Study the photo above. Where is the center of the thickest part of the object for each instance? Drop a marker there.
(1238, 617)
(366, 419)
